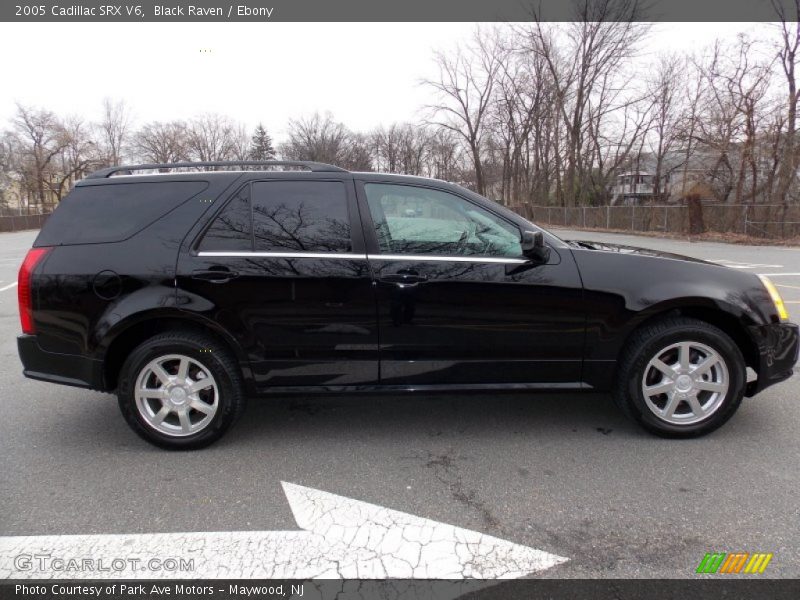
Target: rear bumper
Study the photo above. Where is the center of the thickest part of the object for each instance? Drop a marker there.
(66, 369)
(778, 348)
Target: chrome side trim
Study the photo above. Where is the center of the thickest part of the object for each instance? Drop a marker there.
(353, 256)
(332, 255)
(434, 258)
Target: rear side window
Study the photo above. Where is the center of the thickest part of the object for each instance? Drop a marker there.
(113, 212)
(283, 216)
(300, 216)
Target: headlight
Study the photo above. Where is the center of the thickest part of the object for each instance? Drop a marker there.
(776, 297)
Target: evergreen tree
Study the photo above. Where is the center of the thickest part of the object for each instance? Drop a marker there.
(261, 145)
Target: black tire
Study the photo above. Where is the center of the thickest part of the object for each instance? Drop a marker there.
(210, 354)
(646, 343)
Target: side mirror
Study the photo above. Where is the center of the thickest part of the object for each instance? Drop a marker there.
(534, 248)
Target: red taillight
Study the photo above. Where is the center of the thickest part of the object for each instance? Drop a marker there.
(34, 256)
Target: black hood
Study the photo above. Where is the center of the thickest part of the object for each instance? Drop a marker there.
(622, 249)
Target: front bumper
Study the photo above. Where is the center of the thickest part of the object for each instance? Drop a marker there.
(778, 347)
(66, 369)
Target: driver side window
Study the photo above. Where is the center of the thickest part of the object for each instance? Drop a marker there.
(417, 220)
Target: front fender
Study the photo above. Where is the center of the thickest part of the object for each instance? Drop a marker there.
(624, 290)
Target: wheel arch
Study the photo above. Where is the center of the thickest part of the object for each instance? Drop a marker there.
(713, 314)
(116, 346)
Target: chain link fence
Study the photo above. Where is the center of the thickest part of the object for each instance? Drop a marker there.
(769, 221)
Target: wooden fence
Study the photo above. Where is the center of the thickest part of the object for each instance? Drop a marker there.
(21, 222)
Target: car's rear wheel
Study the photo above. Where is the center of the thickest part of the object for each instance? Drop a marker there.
(180, 390)
(680, 377)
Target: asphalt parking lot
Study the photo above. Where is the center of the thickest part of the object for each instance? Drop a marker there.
(562, 473)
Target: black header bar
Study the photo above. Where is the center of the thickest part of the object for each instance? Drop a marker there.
(391, 10)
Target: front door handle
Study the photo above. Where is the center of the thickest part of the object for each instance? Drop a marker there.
(407, 277)
(215, 275)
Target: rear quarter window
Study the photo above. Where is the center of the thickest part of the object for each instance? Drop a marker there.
(114, 212)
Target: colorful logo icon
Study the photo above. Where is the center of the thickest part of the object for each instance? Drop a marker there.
(734, 562)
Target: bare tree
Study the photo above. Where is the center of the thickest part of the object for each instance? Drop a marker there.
(584, 61)
(162, 142)
(444, 157)
(385, 148)
(357, 155)
(6, 171)
(668, 90)
(317, 138)
(114, 127)
(413, 141)
(788, 56)
(240, 141)
(40, 137)
(213, 137)
(609, 148)
(77, 158)
(464, 89)
(714, 127)
(689, 124)
(737, 84)
(400, 148)
(513, 116)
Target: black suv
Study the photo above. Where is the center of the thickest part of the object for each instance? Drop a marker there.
(188, 287)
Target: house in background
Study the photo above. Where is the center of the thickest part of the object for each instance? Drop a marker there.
(633, 187)
(679, 179)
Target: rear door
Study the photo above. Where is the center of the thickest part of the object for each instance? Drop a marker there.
(283, 268)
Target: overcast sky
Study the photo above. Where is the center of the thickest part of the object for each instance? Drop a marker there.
(364, 73)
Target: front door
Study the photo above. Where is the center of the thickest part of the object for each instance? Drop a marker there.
(457, 301)
(282, 266)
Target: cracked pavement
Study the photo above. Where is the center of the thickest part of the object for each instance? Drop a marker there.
(342, 539)
(562, 473)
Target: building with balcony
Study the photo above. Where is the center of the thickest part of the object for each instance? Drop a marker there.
(633, 187)
(677, 179)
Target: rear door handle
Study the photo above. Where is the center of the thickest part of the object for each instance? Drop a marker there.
(217, 275)
(404, 277)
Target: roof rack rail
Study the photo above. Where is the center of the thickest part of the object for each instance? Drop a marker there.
(316, 167)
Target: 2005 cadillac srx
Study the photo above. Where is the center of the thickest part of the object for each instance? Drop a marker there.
(186, 288)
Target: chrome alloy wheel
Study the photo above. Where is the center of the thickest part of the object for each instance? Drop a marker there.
(685, 383)
(176, 395)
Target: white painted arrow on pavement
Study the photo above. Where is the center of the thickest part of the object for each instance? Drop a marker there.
(341, 539)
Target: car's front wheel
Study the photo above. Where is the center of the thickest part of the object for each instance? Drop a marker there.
(680, 377)
(180, 390)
